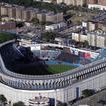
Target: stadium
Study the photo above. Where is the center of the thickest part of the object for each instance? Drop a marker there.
(49, 72)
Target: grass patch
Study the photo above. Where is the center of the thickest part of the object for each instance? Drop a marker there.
(6, 36)
(54, 69)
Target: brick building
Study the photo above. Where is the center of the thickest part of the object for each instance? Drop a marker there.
(20, 13)
(101, 4)
(72, 2)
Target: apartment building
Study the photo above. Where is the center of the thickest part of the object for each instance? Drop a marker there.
(94, 38)
(21, 13)
(72, 2)
(79, 37)
(98, 22)
(96, 25)
(55, 18)
(67, 2)
(4, 11)
(92, 1)
(97, 38)
(101, 4)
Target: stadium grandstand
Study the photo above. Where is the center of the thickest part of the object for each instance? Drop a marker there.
(26, 72)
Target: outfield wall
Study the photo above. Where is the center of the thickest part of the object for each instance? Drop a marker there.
(73, 50)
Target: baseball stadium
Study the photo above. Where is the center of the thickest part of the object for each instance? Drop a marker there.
(41, 73)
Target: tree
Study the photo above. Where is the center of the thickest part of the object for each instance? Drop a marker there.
(88, 92)
(61, 104)
(19, 24)
(103, 102)
(49, 36)
(3, 99)
(86, 43)
(36, 4)
(35, 21)
(19, 104)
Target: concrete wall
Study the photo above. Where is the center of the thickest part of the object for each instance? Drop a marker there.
(64, 95)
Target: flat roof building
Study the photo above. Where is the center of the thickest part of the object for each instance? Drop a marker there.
(101, 4)
(98, 22)
(20, 13)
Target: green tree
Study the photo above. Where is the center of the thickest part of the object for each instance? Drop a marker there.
(86, 43)
(49, 36)
(19, 104)
(19, 24)
(88, 92)
(3, 99)
(61, 104)
(35, 21)
(36, 4)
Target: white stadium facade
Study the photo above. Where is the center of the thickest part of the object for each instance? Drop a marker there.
(62, 87)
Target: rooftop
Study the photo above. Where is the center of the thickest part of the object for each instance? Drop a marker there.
(101, 17)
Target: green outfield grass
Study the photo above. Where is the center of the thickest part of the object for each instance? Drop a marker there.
(54, 69)
(5, 37)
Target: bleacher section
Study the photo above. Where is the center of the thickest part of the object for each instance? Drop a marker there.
(68, 57)
(47, 54)
(15, 62)
(62, 54)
